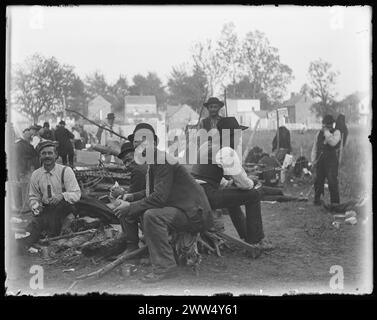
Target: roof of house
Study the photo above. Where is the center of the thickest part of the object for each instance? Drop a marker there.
(171, 110)
(100, 98)
(293, 100)
(261, 113)
(140, 100)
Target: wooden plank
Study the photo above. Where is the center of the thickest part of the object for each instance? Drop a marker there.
(238, 242)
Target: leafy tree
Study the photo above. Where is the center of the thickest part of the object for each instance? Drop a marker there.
(119, 90)
(149, 85)
(322, 82)
(261, 64)
(42, 85)
(96, 84)
(190, 89)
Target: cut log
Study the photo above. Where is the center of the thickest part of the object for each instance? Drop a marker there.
(126, 256)
(70, 235)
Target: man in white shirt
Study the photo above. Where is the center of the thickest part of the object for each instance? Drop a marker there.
(239, 190)
(53, 192)
(109, 139)
(325, 158)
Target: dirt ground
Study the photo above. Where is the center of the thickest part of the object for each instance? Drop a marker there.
(307, 246)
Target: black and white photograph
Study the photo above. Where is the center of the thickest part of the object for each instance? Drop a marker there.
(188, 150)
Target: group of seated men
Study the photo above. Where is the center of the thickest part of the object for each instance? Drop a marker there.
(164, 195)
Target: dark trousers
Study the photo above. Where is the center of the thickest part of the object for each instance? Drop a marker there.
(64, 154)
(250, 228)
(327, 168)
(156, 224)
(49, 220)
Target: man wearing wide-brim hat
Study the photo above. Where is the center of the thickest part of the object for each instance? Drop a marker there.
(53, 192)
(213, 106)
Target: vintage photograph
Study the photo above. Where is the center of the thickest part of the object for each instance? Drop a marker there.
(188, 150)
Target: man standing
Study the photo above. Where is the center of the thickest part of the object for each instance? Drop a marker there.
(65, 147)
(213, 106)
(172, 201)
(109, 139)
(53, 191)
(324, 157)
(26, 162)
(238, 191)
(47, 133)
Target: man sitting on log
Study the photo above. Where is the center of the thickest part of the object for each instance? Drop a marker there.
(172, 201)
(210, 172)
(53, 192)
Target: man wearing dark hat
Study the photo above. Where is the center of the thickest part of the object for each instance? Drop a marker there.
(239, 190)
(213, 106)
(172, 200)
(107, 138)
(47, 133)
(138, 172)
(65, 146)
(324, 158)
(53, 192)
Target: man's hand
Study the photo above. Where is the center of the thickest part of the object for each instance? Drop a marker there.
(116, 192)
(122, 209)
(56, 199)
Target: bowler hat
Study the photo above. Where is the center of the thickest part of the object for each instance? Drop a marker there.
(44, 144)
(213, 100)
(229, 123)
(140, 126)
(125, 148)
(328, 120)
(62, 122)
(110, 115)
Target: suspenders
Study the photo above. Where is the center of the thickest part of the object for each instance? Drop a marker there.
(62, 179)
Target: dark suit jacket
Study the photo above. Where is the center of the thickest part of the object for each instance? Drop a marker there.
(63, 136)
(138, 173)
(172, 186)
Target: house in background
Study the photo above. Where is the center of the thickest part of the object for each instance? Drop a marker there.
(140, 105)
(178, 117)
(299, 112)
(364, 107)
(98, 108)
(245, 111)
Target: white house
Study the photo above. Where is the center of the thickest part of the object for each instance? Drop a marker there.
(244, 110)
(139, 105)
(364, 109)
(98, 108)
(180, 116)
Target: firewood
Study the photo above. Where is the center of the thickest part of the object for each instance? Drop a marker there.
(70, 235)
(102, 271)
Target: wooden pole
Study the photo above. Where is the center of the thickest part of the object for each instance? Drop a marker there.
(277, 132)
(226, 106)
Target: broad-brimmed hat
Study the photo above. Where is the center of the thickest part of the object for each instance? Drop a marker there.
(44, 144)
(213, 100)
(126, 147)
(140, 126)
(229, 123)
(110, 116)
(328, 120)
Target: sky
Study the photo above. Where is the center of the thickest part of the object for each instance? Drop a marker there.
(129, 40)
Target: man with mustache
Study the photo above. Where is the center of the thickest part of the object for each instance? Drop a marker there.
(53, 192)
(172, 200)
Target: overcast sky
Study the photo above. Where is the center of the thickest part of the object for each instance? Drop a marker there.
(136, 39)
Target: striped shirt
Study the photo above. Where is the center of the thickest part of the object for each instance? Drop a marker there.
(41, 179)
